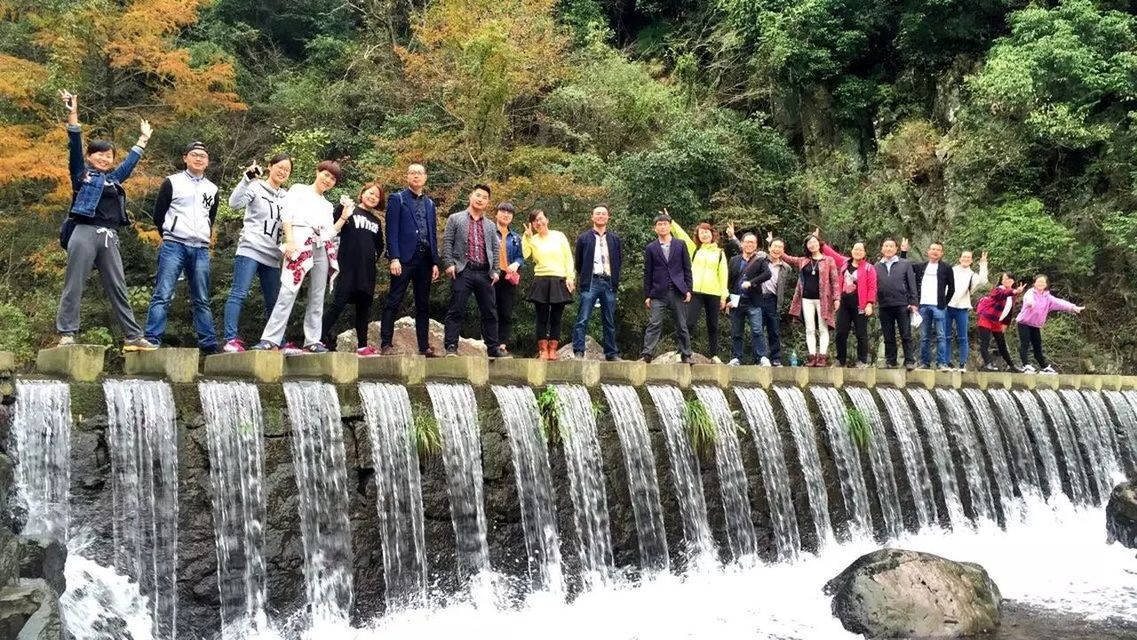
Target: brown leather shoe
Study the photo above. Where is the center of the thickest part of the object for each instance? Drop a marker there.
(822, 360)
(542, 349)
(430, 353)
(812, 361)
(387, 350)
(552, 352)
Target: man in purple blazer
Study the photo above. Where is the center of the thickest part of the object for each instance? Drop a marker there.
(667, 285)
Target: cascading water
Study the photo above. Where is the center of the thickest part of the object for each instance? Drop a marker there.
(848, 461)
(1095, 440)
(775, 476)
(321, 478)
(1036, 424)
(1125, 428)
(41, 435)
(586, 483)
(1111, 448)
(941, 452)
(235, 432)
(802, 430)
(142, 439)
(394, 453)
(974, 467)
(881, 460)
(643, 485)
(685, 474)
(1011, 417)
(740, 534)
(993, 443)
(912, 451)
(1081, 492)
(534, 486)
(455, 409)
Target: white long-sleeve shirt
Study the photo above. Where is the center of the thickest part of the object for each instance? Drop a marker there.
(966, 281)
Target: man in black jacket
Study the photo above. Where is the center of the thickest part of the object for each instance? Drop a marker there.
(896, 296)
(667, 284)
(935, 286)
(598, 256)
(746, 274)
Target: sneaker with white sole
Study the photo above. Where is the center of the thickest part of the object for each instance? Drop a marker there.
(764, 362)
(1029, 368)
(138, 344)
(236, 345)
(315, 347)
(734, 362)
(66, 340)
(264, 345)
(716, 360)
(1049, 370)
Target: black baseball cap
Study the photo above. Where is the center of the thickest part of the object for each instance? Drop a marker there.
(194, 146)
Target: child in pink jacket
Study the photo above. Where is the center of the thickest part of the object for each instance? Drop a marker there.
(1037, 305)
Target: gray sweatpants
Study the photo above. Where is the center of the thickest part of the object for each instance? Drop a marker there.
(89, 246)
(659, 308)
(317, 279)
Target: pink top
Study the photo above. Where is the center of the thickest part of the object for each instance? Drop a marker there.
(1037, 305)
(866, 276)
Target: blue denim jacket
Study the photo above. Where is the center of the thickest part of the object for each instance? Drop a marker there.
(87, 183)
(513, 249)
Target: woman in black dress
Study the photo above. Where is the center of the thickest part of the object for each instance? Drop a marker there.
(361, 246)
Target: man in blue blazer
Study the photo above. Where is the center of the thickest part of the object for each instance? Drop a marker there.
(667, 285)
(412, 248)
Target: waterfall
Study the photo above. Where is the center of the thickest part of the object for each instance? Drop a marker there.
(993, 443)
(534, 485)
(394, 455)
(740, 534)
(643, 486)
(912, 451)
(41, 435)
(1080, 491)
(586, 483)
(974, 469)
(685, 473)
(142, 439)
(321, 478)
(235, 432)
(455, 408)
(941, 452)
(1011, 417)
(775, 476)
(801, 427)
(881, 460)
(1111, 448)
(1094, 431)
(1126, 428)
(848, 461)
(1036, 424)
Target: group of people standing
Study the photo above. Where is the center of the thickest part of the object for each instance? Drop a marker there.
(297, 235)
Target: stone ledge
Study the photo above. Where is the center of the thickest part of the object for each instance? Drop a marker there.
(677, 373)
(527, 370)
(576, 371)
(472, 369)
(797, 376)
(333, 366)
(79, 362)
(860, 377)
(176, 365)
(631, 372)
(263, 366)
(404, 369)
(752, 375)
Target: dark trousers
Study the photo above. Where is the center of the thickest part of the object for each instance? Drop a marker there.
(549, 320)
(849, 317)
(505, 296)
(659, 308)
(478, 283)
(1031, 338)
(892, 318)
(985, 336)
(709, 305)
(417, 272)
(362, 303)
(743, 317)
(772, 322)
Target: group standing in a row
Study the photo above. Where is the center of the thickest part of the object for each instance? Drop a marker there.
(289, 236)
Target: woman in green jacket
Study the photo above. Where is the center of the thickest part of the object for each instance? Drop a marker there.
(709, 271)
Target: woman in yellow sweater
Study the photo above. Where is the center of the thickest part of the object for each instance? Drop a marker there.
(709, 271)
(553, 282)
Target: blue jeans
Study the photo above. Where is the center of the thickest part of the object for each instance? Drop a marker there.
(173, 259)
(599, 289)
(751, 315)
(934, 318)
(244, 268)
(956, 324)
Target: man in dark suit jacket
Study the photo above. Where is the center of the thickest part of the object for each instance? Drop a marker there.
(597, 278)
(412, 248)
(935, 286)
(667, 285)
(470, 246)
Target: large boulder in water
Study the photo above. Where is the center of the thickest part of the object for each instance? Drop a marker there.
(1121, 515)
(895, 593)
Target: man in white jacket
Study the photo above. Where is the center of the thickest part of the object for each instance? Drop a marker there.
(184, 213)
(959, 306)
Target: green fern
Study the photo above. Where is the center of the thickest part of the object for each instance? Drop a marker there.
(549, 411)
(424, 431)
(701, 429)
(860, 431)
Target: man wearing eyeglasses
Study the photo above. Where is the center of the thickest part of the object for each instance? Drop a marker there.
(184, 213)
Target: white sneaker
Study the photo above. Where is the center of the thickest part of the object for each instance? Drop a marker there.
(66, 340)
(734, 362)
(1049, 370)
(1029, 368)
(716, 360)
(764, 362)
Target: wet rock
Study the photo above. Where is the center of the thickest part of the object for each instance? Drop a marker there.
(895, 593)
(43, 558)
(1121, 515)
(29, 610)
(9, 556)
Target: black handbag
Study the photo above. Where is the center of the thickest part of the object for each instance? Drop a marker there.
(65, 231)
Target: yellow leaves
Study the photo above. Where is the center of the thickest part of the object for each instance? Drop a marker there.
(28, 153)
(20, 80)
(150, 237)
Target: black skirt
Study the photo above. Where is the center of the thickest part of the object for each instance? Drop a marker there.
(549, 290)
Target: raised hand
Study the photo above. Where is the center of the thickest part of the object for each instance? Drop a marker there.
(528, 229)
(144, 130)
(817, 232)
(730, 230)
(70, 100)
(983, 258)
(904, 244)
(253, 170)
(769, 237)
(348, 205)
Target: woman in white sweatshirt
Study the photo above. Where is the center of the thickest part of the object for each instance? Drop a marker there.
(959, 306)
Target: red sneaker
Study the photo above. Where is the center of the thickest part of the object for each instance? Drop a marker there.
(367, 351)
